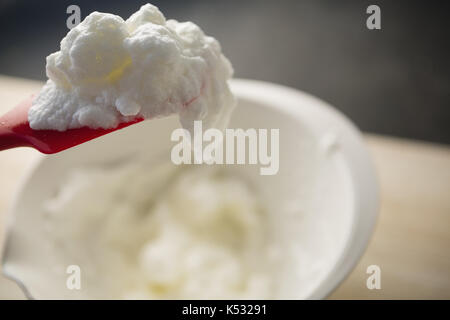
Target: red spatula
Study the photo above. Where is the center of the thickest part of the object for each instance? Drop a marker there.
(15, 132)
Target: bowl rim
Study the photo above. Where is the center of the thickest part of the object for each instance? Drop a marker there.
(362, 173)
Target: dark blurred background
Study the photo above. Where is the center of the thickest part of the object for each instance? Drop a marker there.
(392, 81)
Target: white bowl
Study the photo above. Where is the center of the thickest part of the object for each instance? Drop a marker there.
(322, 203)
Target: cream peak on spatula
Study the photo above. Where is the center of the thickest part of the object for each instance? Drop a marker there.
(111, 73)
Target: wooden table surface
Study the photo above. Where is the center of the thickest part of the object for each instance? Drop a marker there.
(411, 243)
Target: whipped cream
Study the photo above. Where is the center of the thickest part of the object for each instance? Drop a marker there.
(173, 233)
(110, 71)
